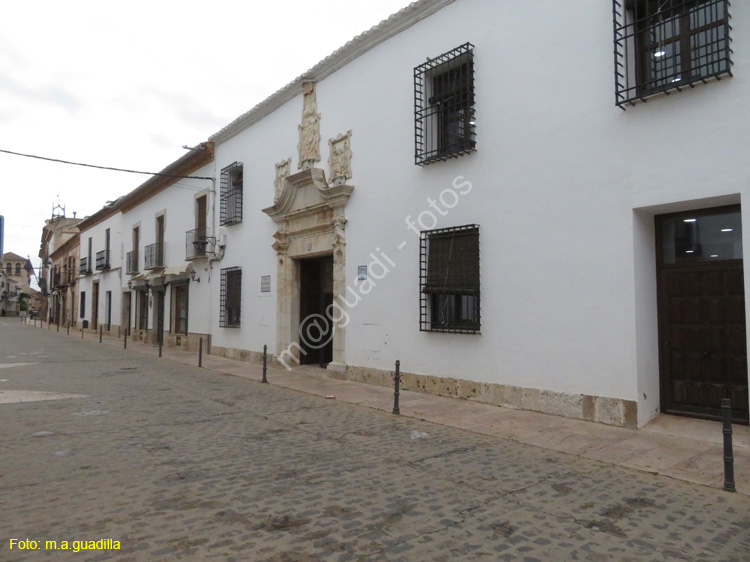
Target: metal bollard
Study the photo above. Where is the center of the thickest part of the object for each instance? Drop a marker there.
(200, 353)
(397, 390)
(125, 341)
(68, 329)
(726, 414)
(101, 330)
(265, 364)
(82, 333)
(58, 325)
(160, 344)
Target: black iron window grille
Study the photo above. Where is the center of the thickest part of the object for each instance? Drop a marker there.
(153, 256)
(131, 262)
(668, 45)
(231, 194)
(195, 243)
(231, 297)
(102, 259)
(444, 120)
(84, 268)
(449, 280)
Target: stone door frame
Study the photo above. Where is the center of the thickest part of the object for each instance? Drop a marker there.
(311, 223)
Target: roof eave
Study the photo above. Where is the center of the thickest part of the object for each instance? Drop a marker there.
(395, 24)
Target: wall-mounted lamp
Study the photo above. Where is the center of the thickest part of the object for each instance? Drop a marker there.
(130, 284)
(192, 277)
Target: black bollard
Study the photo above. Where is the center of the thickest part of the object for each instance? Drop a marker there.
(119, 332)
(58, 325)
(101, 330)
(81, 333)
(125, 341)
(726, 414)
(200, 353)
(397, 390)
(160, 344)
(265, 364)
(68, 329)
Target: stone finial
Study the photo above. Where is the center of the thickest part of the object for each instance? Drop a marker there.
(340, 158)
(309, 129)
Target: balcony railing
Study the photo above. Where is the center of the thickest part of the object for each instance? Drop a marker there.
(131, 261)
(195, 243)
(58, 279)
(154, 256)
(102, 259)
(85, 268)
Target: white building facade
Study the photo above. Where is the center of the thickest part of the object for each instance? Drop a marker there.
(445, 192)
(100, 270)
(169, 246)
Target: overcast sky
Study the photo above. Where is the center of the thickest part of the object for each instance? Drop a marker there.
(127, 84)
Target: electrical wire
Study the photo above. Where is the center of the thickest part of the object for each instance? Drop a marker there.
(105, 167)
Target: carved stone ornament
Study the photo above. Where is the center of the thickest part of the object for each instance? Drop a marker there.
(283, 169)
(282, 243)
(339, 236)
(309, 129)
(340, 158)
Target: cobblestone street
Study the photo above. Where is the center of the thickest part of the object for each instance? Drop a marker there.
(181, 463)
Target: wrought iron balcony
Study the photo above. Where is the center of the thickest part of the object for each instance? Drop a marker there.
(85, 268)
(131, 260)
(102, 259)
(154, 256)
(195, 243)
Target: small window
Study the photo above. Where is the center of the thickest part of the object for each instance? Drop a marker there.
(449, 280)
(18, 269)
(83, 304)
(231, 297)
(665, 45)
(231, 194)
(9, 268)
(444, 120)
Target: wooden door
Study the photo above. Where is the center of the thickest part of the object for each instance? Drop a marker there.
(702, 333)
(316, 294)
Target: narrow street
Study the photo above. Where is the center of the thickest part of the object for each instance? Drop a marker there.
(173, 462)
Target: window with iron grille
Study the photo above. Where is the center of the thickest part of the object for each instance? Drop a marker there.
(83, 304)
(667, 45)
(444, 121)
(231, 194)
(449, 280)
(231, 297)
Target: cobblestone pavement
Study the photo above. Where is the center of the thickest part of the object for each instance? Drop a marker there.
(179, 463)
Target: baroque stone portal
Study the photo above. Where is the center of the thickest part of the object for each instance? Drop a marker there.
(309, 214)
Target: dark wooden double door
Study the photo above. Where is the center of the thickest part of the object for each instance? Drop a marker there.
(316, 295)
(702, 333)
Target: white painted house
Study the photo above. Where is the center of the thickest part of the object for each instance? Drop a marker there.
(169, 244)
(478, 190)
(100, 270)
